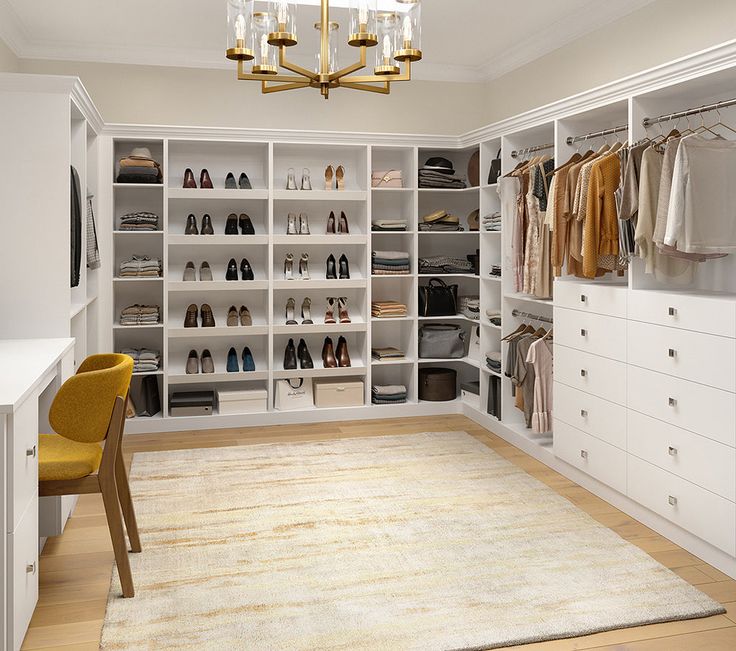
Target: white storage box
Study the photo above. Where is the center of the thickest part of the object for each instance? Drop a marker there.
(336, 393)
(249, 401)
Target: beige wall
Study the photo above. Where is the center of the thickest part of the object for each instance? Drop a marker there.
(660, 32)
(8, 60)
(179, 96)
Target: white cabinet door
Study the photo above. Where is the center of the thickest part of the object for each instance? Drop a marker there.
(592, 333)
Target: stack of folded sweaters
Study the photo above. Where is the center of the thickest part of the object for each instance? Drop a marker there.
(444, 264)
(388, 394)
(389, 225)
(494, 316)
(492, 222)
(139, 221)
(493, 361)
(139, 169)
(387, 309)
(140, 266)
(432, 178)
(145, 360)
(469, 306)
(391, 263)
(387, 354)
(440, 221)
(134, 315)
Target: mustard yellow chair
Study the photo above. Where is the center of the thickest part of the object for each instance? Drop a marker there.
(89, 409)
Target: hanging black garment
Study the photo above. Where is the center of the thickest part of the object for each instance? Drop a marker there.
(76, 228)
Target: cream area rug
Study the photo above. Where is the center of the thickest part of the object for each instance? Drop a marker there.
(428, 541)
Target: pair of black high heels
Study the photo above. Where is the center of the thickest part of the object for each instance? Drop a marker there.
(233, 221)
(245, 269)
(292, 353)
(332, 268)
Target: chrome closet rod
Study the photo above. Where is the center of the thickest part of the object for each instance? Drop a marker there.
(535, 317)
(528, 150)
(648, 122)
(571, 140)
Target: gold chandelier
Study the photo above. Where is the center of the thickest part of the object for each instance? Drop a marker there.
(263, 37)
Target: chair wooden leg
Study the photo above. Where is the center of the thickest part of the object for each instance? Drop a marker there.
(117, 534)
(126, 503)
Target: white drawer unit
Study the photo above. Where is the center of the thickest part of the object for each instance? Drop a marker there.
(701, 461)
(22, 574)
(705, 410)
(23, 460)
(600, 460)
(590, 373)
(703, 358)
(598, 298)
(702, 513)
(686, 311)
(593, 333)
(593, 415)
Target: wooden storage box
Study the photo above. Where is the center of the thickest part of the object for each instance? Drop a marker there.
(249, 401)
(336, 393)
(437, 384)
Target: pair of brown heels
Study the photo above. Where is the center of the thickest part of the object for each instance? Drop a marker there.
(204, 179)
(332, 358)
(335, 178)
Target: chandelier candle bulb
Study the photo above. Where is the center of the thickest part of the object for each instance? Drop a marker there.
(284, 13)
(239, 17)
(388, 24)
(265, 59)
(410, 13)
(362, 23)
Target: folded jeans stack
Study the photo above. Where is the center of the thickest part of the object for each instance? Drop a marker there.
(140, 266)
(145, 360)
(139, 167)
(446, 264)
(440, 221)
(387, 309)
(492, 222)
(391, 263)
(386, 354)
(493, 361)
(139, 221)
(388, 394)
(389, 225)
(134, 315)
(469, 306)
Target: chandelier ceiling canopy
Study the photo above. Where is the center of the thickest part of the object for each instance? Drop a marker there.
(392, 29)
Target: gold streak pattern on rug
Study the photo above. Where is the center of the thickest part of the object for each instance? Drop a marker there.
(428, 541)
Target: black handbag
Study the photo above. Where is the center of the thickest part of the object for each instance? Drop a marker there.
(495, 171)
(437, 299)
(149, 402)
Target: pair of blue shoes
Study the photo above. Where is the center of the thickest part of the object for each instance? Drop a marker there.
(249, 363)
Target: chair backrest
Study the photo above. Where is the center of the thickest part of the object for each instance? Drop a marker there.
(82, 408)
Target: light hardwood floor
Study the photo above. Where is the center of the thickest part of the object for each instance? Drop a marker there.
(75, 568)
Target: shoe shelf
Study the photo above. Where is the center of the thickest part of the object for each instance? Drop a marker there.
(318, 328)
(217, 194)
(320, 195)
(204, 378)
(320, 371)
(117, 326)
(217, 240)
(217, 285)
(328, 238)
(320, 283)
(217, 332)
(137, 186)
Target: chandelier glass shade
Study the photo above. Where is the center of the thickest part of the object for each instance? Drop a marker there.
(261, 39)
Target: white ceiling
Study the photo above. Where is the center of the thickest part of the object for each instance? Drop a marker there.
(463, 40)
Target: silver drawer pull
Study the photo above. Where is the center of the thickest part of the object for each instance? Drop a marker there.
(583, 413)
(583, 298)
(672, 311)
(583, 332)
(31, 568)
(672, 500)
(672, 451)
(583, 372)
(584, 454)
(31, 452)
(672, 352)
(672, 402)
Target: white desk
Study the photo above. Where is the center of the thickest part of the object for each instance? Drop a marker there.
(31, 370)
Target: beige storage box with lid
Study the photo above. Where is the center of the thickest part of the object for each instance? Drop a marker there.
(249, 401)
(339, 393)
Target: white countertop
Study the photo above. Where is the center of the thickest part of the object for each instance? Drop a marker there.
(23, 364)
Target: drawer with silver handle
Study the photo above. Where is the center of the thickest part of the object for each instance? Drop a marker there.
(701, 461)
(600, 460)
(703, 358)
(591, 373)
(593, 333)
(593, 415)
(23, 460)
(702, 513)
(598, 298)
(23, 573)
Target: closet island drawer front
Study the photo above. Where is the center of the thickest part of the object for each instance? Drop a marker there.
(590, 373)
(600, 460)
(685, 311)
(593, 415)
(597, 298)
(593, 333)
(701, 461)
(22, 574)
(695, 407)
(707, 359)
(695, 509)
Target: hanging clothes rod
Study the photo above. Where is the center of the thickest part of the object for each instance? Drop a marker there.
(535, 317)
(528, 150)
(648, 122)
(597, 134)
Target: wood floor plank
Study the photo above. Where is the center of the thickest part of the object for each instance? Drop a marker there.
(722, 639)
(722, 591)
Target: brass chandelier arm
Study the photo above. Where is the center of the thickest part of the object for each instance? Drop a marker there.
(294, 67)
(279, 87)
(242, 75)
(351, 68)
(384, 90)
(362, 79)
